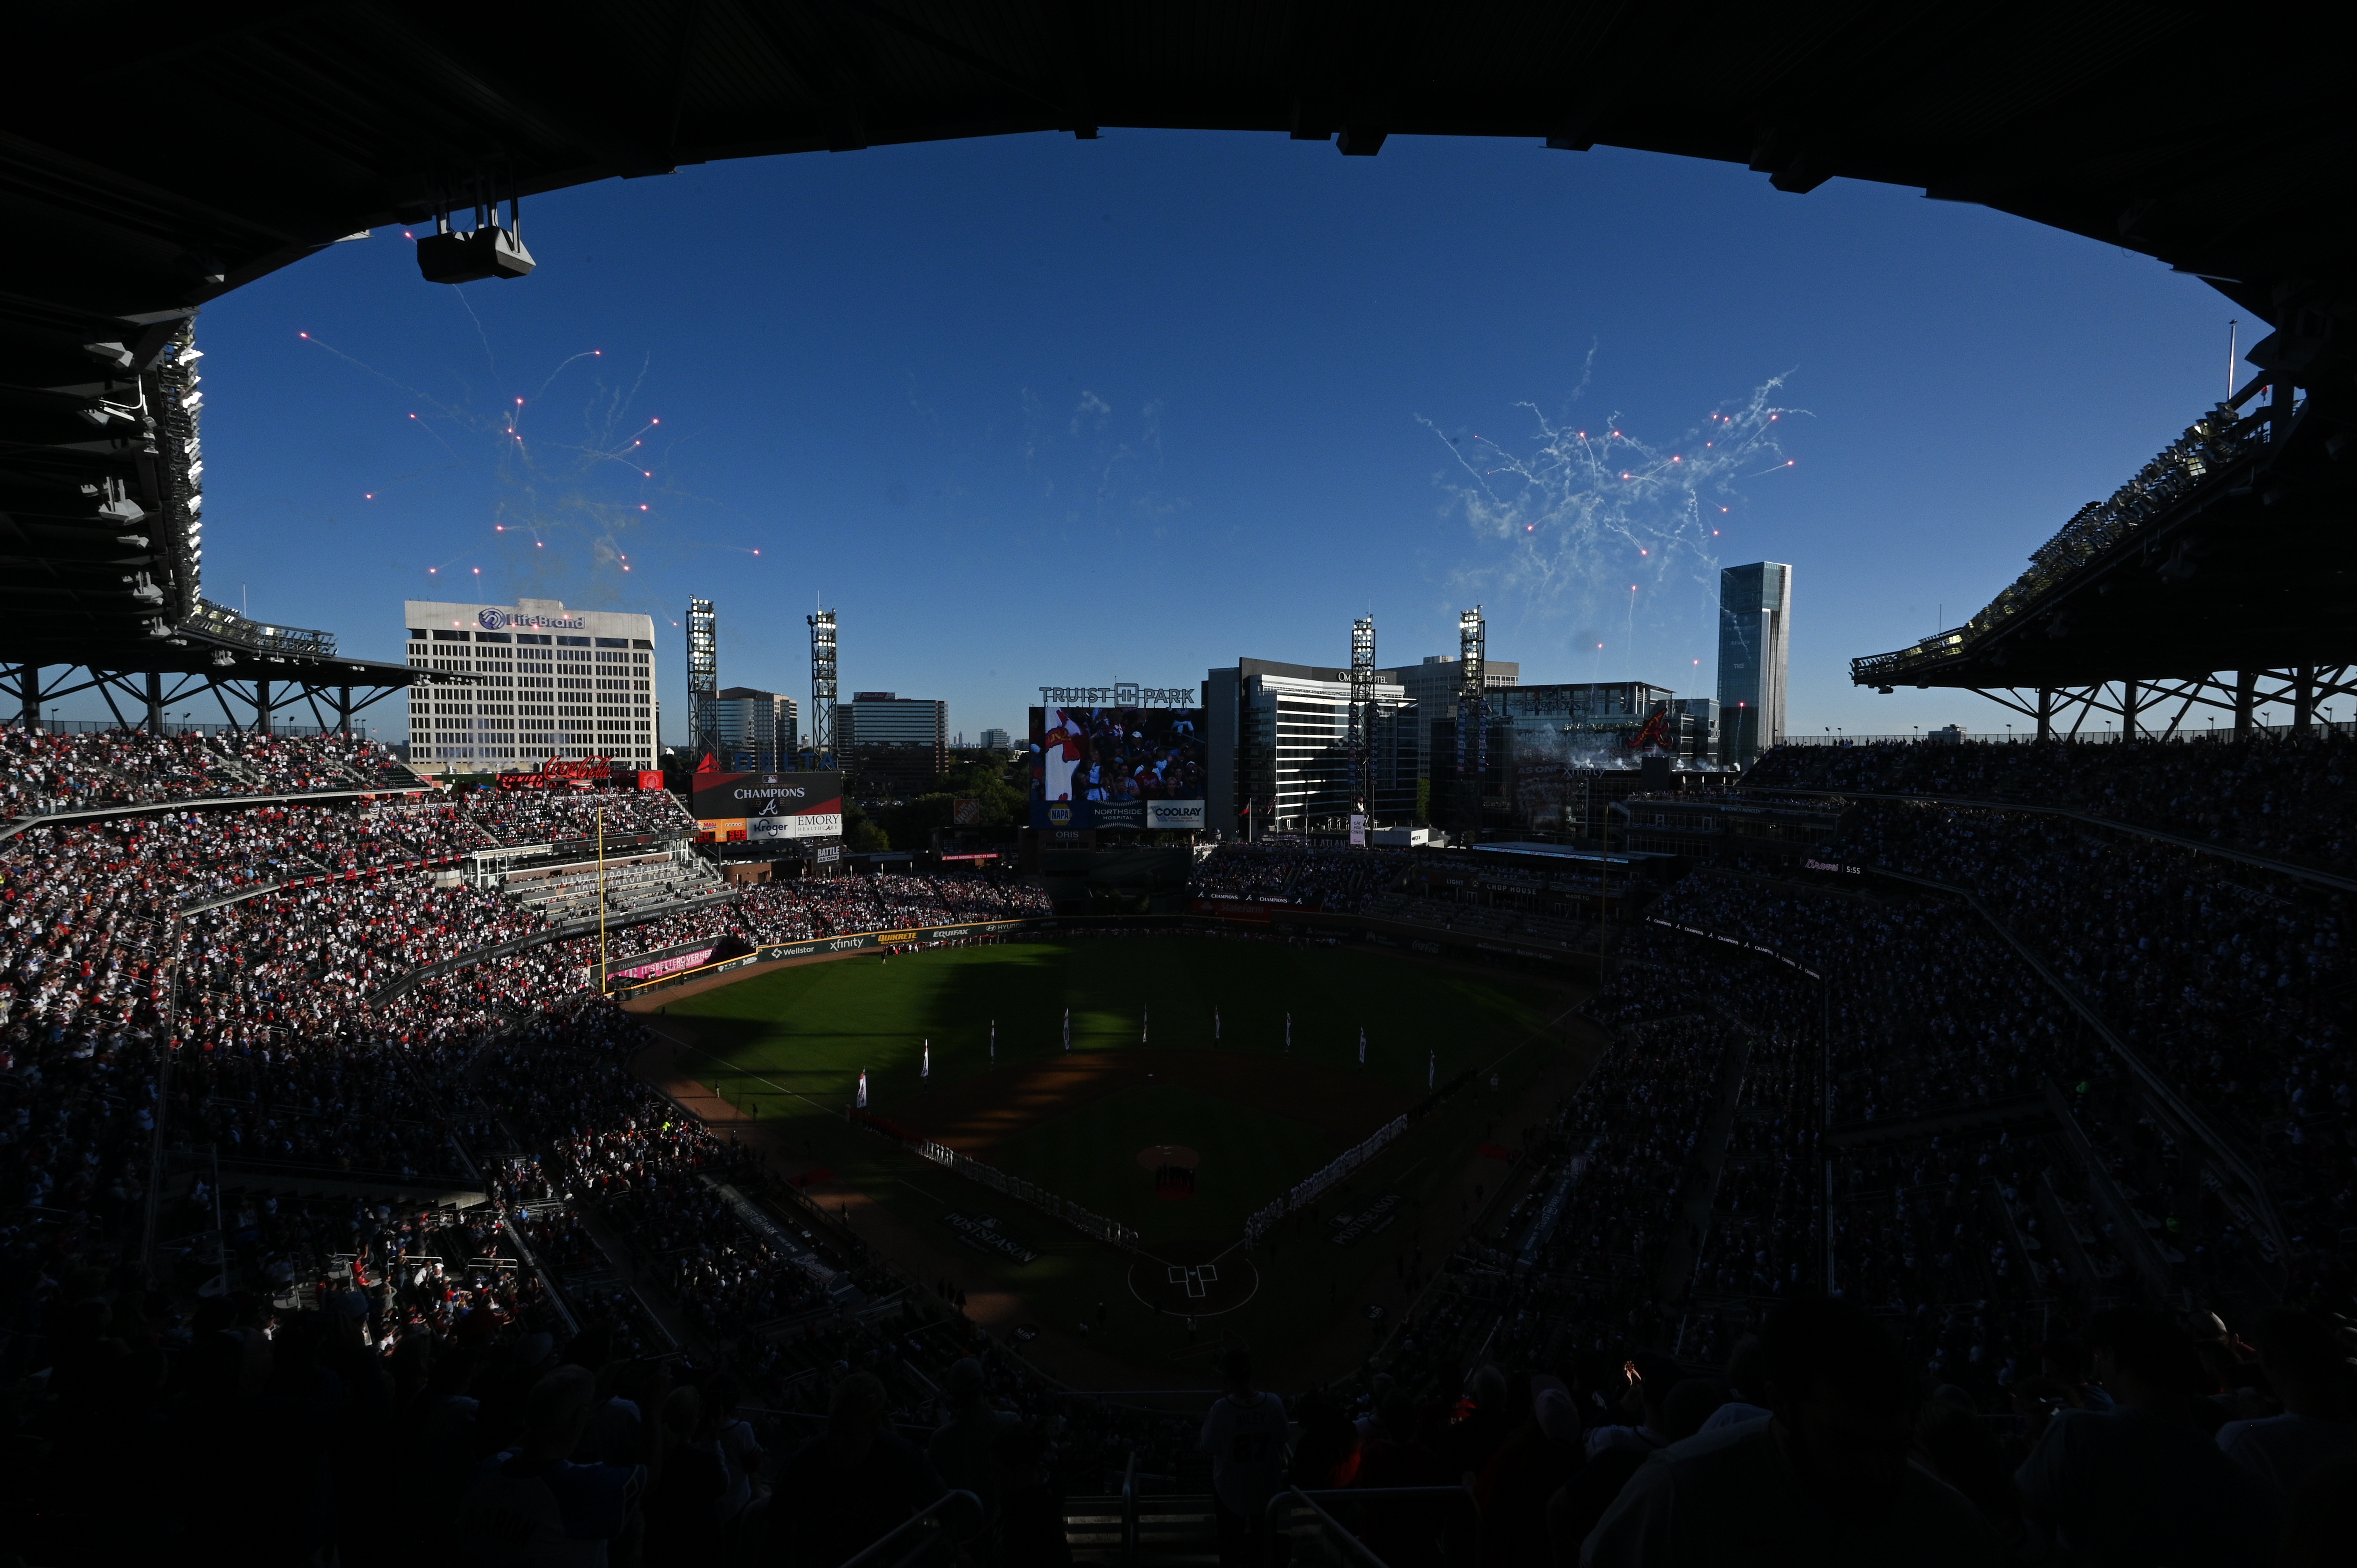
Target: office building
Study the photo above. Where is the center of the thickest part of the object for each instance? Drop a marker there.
(1277, 739)
(1432, 687)
(998, 740)
(551, 682)
(1702, 715)
(888, 739)
(754, 729)
(1755, 615)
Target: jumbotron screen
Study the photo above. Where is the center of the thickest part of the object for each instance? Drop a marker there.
(762, 806)
(1117, 767)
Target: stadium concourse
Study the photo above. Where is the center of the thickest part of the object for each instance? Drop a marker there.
(2052, 1109)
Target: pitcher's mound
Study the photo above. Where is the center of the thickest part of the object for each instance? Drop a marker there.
(1198, 1279)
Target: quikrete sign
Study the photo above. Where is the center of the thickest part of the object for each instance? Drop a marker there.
(767, 806)
(983, 1234)
(1377, 1215)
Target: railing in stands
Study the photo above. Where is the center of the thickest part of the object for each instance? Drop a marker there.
(937, 1534)
(1303, 1518)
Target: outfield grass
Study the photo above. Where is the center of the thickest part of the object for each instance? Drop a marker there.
(791, 1043)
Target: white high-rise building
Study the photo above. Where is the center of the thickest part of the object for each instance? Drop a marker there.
(554, 683)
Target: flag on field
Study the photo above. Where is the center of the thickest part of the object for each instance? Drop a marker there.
(1068, 1028)
(925, 1067)
(994, 1039)
(1362, 1046)
(863, 1089)
(1431, 1069)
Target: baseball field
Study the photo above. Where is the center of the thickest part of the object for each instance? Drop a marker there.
(1203, 1079)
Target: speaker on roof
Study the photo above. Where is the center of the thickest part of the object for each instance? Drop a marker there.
(486, 252)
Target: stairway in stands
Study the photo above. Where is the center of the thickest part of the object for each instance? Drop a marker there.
(1172, 1533)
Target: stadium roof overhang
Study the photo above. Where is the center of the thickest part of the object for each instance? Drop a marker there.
(152, 164)
(152, 160)
(2229, 551)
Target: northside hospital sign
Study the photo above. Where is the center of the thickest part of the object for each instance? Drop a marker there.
(1119, 695)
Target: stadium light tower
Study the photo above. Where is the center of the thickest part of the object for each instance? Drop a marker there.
(1362, 715)
(703, 675)
(1472, 714)
(822, 688)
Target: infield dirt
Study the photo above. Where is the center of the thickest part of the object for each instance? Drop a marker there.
(976, 1115)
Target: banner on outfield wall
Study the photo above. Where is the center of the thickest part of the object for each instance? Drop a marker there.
(663, 966)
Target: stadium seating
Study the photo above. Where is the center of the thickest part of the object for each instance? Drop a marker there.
(2046, 1067)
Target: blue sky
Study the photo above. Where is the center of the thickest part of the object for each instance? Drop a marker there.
(1031, 410)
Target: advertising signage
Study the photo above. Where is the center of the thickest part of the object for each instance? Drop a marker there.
(1117, 767)
(767, 807)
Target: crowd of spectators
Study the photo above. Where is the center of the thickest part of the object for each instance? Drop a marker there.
(519, 817)
(833, 905)
(43, 773)
(2280, 792)
(1298, 872)
(1866, 1094)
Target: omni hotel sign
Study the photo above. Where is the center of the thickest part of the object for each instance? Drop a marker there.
(1119, 695)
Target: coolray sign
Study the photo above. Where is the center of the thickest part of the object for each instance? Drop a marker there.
(1173, 814)
(982, 1232)
(500, 620)
(1119, 695)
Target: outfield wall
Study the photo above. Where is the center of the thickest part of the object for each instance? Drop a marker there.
(1276, 919)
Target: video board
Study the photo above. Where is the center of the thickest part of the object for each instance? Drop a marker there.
(1117, 767)
(759, 807)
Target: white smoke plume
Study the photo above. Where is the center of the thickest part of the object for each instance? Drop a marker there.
(1608, 539)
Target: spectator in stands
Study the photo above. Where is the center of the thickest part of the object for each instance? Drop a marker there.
(532, 1504)
(2311, 1375)
(1826, 1480)
(2142, 1483)
(965, 1448)
(849, 1485)
(1399, 1531)
(1246, 1435)
(1527, 1469)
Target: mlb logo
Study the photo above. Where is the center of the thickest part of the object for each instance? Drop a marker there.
(1060, 815)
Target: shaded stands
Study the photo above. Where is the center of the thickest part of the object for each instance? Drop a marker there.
(2282, 795)
(1721, 826)
(2226, 553)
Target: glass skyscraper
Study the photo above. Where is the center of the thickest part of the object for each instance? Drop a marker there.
(1755, 619)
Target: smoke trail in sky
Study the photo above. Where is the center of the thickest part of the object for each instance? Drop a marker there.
(575, 482)
(1610, 540)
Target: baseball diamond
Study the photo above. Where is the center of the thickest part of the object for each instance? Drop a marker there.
(1179, 1142)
